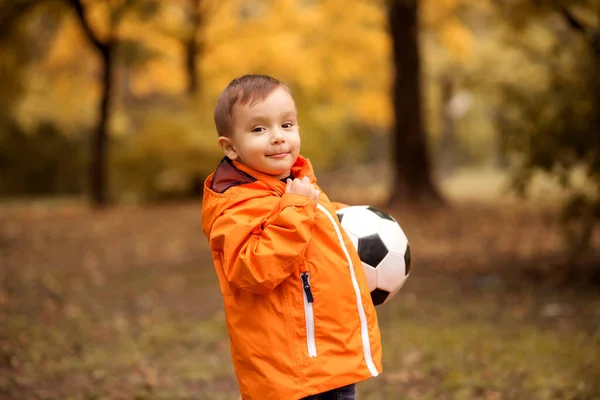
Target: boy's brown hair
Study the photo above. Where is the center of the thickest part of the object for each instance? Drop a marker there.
(245, 90)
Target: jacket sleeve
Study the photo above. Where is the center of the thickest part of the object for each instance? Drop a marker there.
(258, 252)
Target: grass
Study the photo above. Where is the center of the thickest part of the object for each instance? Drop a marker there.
(124, 304)
(464, 343)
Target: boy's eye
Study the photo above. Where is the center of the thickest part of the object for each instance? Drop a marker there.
(287, 125)
(258, 129)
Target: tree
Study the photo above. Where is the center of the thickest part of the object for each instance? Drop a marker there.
(194, 45)
(561, 138)
(412, 168)
(106, 49)
(39, 160)
(198, 15)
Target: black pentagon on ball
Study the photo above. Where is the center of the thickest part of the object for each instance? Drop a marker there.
(381, 214)
(340, 216)
(378, 296)
(407, 259)
(371, 250)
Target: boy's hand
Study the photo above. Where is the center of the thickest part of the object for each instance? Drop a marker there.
(303, 187)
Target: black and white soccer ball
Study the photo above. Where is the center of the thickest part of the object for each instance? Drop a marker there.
(382, 247)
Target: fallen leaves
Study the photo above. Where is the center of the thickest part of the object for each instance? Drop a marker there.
(125, 304)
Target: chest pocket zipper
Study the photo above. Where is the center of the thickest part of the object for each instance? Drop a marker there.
(309, 314)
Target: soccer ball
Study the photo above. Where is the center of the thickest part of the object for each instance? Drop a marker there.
(382, 247)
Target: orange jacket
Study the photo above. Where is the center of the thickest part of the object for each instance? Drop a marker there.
(298, 309)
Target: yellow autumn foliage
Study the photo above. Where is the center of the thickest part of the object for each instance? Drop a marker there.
(335, 52)
(334, 55)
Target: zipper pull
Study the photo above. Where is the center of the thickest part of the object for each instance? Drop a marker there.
(306, 286)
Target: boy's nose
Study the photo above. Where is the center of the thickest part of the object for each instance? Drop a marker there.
(277, 137)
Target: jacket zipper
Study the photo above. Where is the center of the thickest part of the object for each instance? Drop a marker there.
(309, 315)
(364, 329)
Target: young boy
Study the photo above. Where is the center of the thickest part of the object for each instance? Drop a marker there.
(299, 314)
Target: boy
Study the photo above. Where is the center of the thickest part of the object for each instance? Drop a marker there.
(299, 314)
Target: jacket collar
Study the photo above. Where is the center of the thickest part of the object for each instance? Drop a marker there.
(301, 168)
(215, 202)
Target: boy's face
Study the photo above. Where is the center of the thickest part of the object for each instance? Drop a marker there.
(265, 136)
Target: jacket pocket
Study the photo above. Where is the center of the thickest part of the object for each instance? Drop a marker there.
(309, 314)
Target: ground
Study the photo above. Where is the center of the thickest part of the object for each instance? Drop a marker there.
(124, 304)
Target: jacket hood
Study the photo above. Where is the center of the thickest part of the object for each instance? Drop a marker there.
(233, 182)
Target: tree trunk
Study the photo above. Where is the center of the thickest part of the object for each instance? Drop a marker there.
(412, 170)
(191, 67)
(192, 48)
(99, 164)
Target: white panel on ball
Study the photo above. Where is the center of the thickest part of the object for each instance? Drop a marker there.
(392, 236)
(353, 238)
(371, 274)
(395, 292)
(391, 272)
(399, 287)
(360, 223)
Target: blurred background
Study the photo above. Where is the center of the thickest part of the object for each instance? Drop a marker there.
(475, 123)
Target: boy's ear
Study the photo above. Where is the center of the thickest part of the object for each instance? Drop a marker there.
(227, 146)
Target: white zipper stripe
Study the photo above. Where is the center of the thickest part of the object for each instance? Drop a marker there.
(310, 325)
(364, 329)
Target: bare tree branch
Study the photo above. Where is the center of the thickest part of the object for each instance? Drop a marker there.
(80, 11)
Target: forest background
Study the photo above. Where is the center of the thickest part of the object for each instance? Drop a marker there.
(475, 123)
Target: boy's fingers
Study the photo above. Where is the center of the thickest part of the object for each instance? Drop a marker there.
(288, 185)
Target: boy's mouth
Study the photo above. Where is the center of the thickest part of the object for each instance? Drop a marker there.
(278, 155)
